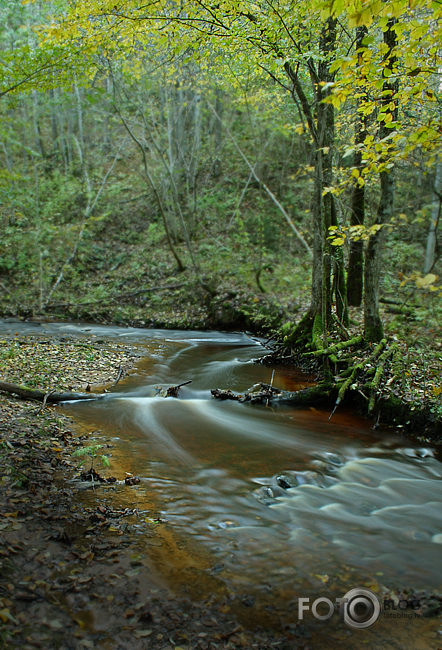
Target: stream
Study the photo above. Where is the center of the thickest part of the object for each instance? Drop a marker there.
(268, 504)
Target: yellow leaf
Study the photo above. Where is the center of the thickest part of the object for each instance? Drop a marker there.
(6, 616)
(426, 281)
(141, 633)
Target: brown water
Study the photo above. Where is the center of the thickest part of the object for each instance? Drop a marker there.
(364, 509)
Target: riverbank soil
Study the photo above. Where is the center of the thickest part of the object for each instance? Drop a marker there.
(73, 573)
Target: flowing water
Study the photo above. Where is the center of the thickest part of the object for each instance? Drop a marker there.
(363, 507)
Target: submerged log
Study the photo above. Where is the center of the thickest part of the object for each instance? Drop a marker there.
(267, 394)
(43, 396)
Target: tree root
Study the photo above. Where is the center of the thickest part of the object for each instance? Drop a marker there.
(378, 375)
(301, 335)
(337, 347)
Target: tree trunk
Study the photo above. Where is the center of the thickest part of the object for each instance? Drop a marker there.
(373, 255)
(37, 131)
(193, 163)
(80, 129)
(355, 273)
(41, 396)
(339, 277)
(219, 107)
(322, 130)
(54, 129)
(435, 218)
(69, 137)
(324, 171)
(107, 143)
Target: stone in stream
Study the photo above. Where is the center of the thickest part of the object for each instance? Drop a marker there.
(284, 482)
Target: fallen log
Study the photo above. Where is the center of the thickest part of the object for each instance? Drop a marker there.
(43, 396)
(267, 394)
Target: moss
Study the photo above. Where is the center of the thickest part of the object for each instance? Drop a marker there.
(374, 332)
(317, 333)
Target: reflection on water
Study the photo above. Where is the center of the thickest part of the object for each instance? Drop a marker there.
(285, 502)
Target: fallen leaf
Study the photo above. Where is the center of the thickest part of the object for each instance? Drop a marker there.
(142, 633)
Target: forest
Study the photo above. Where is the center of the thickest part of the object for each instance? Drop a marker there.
(273, 168)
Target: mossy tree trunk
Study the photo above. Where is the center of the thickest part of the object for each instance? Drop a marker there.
(323, 199)
(355, 274)
(321, 125)
(373, 255)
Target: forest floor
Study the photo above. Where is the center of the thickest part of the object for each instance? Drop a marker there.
(73, 574)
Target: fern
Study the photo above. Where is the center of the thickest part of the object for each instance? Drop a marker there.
(91, 451)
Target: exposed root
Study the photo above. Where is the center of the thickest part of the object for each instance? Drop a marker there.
(374, 375)
(337, 347)
(378, 375)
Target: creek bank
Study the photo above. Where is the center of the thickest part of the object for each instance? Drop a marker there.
(186, 307)
(77, 569)
(391, 382)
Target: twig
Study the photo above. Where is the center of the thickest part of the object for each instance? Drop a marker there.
(376, 424)
(172, 391)
(134, 198)
(271, 384)
(51, 392)
(120, 374)
(183, 384)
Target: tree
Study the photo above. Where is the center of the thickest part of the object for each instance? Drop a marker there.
(355, 269)
(409, 51)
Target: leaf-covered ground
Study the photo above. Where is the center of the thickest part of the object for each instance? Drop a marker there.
(48, 363)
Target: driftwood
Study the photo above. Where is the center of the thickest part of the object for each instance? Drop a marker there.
(267, 394)
(43, 396)
(259, 394)
(172, 391)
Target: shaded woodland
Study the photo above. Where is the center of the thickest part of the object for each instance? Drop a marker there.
(161, 164)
